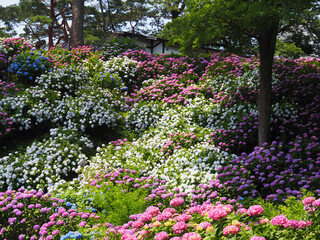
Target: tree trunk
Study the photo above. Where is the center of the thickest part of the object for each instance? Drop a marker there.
(77, 36)
(267, 42)
(50, 37)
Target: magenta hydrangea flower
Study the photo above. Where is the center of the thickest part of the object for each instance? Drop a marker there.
(137, 224)
(195, 209)
(217, 213)
(36, 227)
(154, 211)
(279, 220)
(257, 238)
(191, 236)
(145, 217)
(170, 210)
(179, 227)
(302, 223)
(255, 210)
(241, 211)
(308, 200)
(60, 222)
(228, 208)
(161, 236)
(291, 223)
(205, 225)
(128, 236)
(183, 217)
(231, 229)
(82, 224)
(316, 203)
(176, 202)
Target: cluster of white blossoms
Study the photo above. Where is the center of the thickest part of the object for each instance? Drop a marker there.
(284, 111)
(46, 162)
(87, 109)
(227, 84)
(68, 79)
(219, 117)
(124, 67)
(185, 167)
(144, 115)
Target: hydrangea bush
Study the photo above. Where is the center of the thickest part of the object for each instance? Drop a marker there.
(29, 65)
(37, 215)
(44, 163)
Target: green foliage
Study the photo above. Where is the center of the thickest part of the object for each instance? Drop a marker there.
(231, 24)
(288, 50)
(117, 203)
(114, 196)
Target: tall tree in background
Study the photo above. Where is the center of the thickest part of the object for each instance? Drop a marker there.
(46, 19)
(306, 35)
(237, 21)
(170, 9)
(136, 13)
(111, 14)
(77, 35)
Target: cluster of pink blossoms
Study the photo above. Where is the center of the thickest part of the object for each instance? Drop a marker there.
(257, 238)
(311, 201)
(179, 227)
(281, 220)
(255, 210)
(176, 202)
(231, 229)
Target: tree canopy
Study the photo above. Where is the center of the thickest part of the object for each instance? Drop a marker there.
(238, 25)
(235, 25)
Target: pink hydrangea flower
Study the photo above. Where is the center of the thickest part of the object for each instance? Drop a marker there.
(142, 233)
(228, 208)
(137, 224)
(145, 217)
(302, 224)
(231, 229)
(241, 211)
(128, 236)
(257, 238)
(166, 215)
(191, 236)
(279, 220)
(183, 217)
(175, 238)
(170, 210)
(205, 225)
(291, 223)
(179, 227)
(316, 203)
(217, 213)
(264, 220)
(160, 218)
(154, 211)
(176, 202)
(82, 224)
(161, 236)
(308, 200)
(255, 210)
(192, 210)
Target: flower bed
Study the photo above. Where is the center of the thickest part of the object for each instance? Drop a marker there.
(155, 147)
